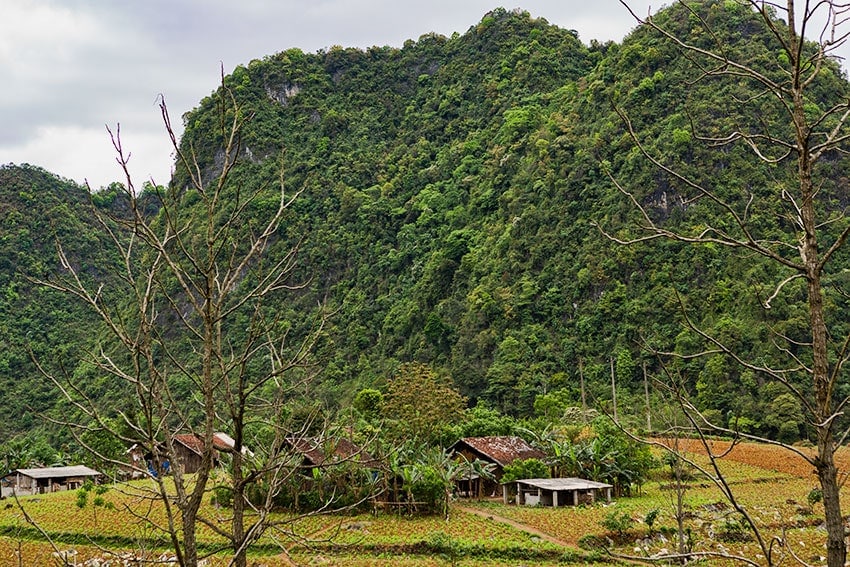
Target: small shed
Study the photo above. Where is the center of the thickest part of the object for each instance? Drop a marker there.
(48, 479)
(557, 492)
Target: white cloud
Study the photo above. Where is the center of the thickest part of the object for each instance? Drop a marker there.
(78, 65)
(87, 154)
(41, 42)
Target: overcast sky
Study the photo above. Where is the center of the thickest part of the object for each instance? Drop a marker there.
(69, 68)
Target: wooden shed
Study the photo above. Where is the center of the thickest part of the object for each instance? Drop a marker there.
(188, 452)
(48, 479)
(188, 449)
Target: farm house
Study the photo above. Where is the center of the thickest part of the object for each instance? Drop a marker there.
(319, 452)
(497, 450)
(188, 450)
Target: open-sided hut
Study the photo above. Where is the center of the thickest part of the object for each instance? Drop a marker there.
(48, 479)
(557, 492)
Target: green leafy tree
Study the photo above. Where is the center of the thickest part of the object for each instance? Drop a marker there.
(369, 403)
(603, 454)
(618, 522)
(16, 455)
(98, 501)
(525, 468)
(420, 404)
(480, 421)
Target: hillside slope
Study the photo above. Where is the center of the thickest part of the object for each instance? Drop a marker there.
(453, 190)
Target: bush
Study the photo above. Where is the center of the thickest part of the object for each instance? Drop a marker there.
(618, 522)
(222, 496)
(592, 542)
(525, 468)
(446, 547)
(650, 518)
(369, 403)
(429, 488)
(815, 495)
(734, 531)
(309, 501)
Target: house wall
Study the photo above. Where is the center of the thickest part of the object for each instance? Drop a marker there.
(24, 485)
(189, 460)
(490, 487)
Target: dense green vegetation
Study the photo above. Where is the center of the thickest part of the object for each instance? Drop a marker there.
(38, 210)
(452, 189)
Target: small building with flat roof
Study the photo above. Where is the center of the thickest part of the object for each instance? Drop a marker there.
(556, 492)
(47, 479)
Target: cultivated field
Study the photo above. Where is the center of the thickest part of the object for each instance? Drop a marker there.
(773, 485)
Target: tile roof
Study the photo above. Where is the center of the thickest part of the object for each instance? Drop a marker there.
(221, 442)
(316, 451)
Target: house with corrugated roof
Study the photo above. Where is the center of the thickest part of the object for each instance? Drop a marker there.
(320, 452)
(188, 449)
(188, 453)
(499, 451)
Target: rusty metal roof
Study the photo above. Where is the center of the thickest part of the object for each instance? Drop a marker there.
(194, 443)
(502, 450)
(319, 451)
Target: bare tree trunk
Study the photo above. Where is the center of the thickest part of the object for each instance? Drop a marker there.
(680, 488)
(197, 271)
(808, 134)
(827, 474)
(822, 381)
(239, 500)
(826, 444)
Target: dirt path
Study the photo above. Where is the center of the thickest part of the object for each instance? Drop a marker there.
(518, 525)
(542, 535)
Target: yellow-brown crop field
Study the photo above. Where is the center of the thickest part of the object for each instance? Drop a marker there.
(772, 485)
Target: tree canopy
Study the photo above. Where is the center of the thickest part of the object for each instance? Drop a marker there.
(452, 189)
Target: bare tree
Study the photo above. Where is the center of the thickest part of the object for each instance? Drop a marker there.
(194, 336)
(803, 243)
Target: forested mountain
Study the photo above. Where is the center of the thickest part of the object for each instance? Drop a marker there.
(455, 194)
(40, 210)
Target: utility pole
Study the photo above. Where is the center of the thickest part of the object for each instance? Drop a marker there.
(613, 388)
(646, 394)
(583, 397)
